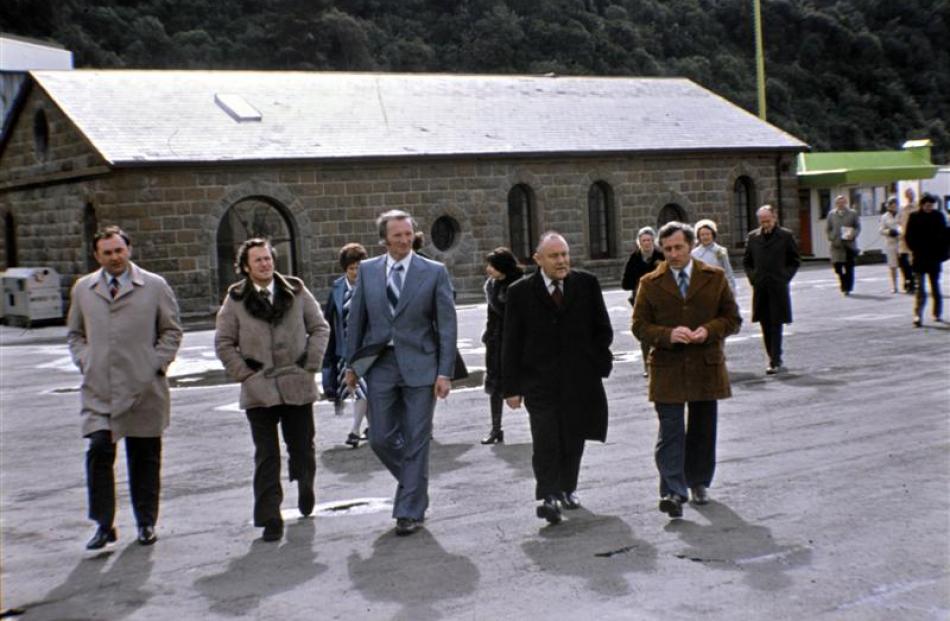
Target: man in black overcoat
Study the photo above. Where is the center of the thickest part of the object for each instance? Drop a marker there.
(771, 261)
(555, 354)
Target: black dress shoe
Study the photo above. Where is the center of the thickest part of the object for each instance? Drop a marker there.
(407, 526)
(273, 531)
(549, 510)
(495, 436)
(147, 535)
(700, 494)
(672, 505)
(305, 498)
(352, 440)
(102, 537)
(570, 501)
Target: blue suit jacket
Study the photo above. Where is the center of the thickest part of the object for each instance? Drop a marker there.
(423, 329)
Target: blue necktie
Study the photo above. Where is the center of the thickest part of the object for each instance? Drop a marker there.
(684, 283)
(394, 287)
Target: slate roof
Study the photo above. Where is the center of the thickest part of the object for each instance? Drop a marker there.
(137, 117)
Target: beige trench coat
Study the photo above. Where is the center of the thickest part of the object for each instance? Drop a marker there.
(123, 348)
(275, 359)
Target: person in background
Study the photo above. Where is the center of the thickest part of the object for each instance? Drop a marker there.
(334, 362)
(711, 253)
(926, 236)
(903, 256)
(843, 227)
(502, 269)
(891, 231)
(642, 261)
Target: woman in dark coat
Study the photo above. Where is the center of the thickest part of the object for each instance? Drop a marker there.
(502, 269)
(642, 261)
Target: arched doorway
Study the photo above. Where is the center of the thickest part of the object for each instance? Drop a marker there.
(9, 239)
(670, 212)
(256, 216)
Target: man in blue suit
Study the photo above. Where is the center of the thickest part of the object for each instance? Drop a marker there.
(403, 303)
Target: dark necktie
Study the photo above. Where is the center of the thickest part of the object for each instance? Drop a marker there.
(347, 298)
(557, 295)
(265, 295)
(113, 287)
(684, 283)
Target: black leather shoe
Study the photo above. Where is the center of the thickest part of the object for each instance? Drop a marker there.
(570, 500)
(495, 436)
(102, 537)
(352, 440)
(672, 505)
(549, 510)
(147, 535)
(407, 526)
(700, 494)
(273, 531)
(305, 498)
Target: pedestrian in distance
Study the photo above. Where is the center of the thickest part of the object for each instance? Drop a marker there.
(685, 309)
(926, 236)
(890, 229)
(770, 261)
(903, 256)
(403, 312)
(503, 270)
(843, 227)
(123, 331)
(710, 252)
(271, 336)
(555, 356)
(334, 361)
(641, 261)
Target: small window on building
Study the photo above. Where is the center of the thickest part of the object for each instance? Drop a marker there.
(743, 209)
(600, 219)
(253, 217)
(521, 221)
(237, 107)
(445, 232)
(824, 203)
(41, 135)
(670, 212)
(9, 239)
(90, 225)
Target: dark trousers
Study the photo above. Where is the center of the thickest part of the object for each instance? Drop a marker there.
(845, 272)
(686, 455)
(772, 337)
(296, 423)
(556, 455)
(903, 260)
(497, 403)
(144, 462)
(921, 300)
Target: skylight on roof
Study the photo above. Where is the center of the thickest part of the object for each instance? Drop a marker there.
(237, 107)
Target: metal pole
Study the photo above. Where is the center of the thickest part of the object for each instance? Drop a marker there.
(759, 58)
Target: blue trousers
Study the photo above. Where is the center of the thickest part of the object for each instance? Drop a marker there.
(400, 430)
(686, 456)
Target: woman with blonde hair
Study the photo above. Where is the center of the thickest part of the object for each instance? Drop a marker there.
(711, 253)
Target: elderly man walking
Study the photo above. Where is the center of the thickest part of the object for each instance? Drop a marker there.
(843, 227)
(123, 332)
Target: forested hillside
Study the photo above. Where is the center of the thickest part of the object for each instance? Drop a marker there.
(847, 74)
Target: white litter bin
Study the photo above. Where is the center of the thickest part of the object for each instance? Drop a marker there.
(31, 294)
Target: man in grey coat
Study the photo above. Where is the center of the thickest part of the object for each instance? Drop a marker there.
(271, 336)
(123, 332)
(403, 310)
(843, 227)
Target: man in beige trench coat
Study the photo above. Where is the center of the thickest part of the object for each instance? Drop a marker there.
(123, 332)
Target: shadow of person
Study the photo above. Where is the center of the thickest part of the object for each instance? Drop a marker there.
(414, 572)
(517, 456)
(267, 569)
(729, 542)
(94, 591)
(599, 548)
(446, 457)
(355, 465)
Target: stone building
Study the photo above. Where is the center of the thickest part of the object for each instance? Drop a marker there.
(193, 162)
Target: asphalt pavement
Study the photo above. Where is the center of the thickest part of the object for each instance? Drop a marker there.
(830, 500)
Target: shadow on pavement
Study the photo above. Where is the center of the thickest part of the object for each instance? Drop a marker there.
(266, 570)
(93, 591)
(412, 572)
(599, 548)
(356, 465)
(729, 542)
(517, 456)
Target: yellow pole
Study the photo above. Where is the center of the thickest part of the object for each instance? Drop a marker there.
(759, 58)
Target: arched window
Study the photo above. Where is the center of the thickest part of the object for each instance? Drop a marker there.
(743, 209)
(90, 226)
(9, 239)
(40, 135)
(600, 219)
(670, 212)
(253, 217)
(521, 221)
(445, 232)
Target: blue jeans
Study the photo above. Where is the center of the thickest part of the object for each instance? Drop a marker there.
(686, 457)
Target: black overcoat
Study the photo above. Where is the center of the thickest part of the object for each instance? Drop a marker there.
(560, 355)
(770, 263)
